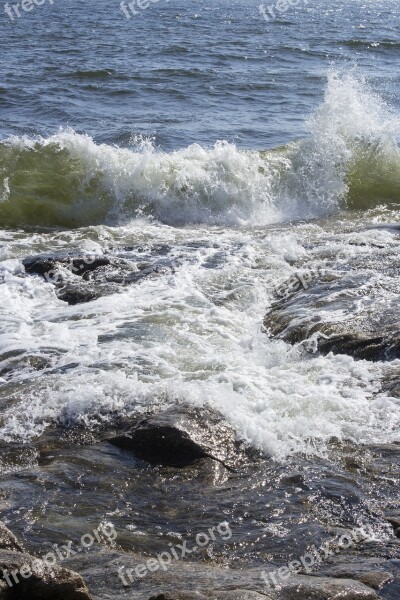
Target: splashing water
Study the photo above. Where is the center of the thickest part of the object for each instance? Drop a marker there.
(350, 159)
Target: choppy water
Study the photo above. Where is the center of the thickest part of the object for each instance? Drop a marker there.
(246, 150)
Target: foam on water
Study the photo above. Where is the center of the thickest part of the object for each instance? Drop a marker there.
(192, 336)
(69, 180)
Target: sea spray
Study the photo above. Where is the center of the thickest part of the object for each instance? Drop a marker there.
(69, 180)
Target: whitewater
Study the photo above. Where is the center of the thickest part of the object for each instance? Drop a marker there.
(350, 159)
(235, 225)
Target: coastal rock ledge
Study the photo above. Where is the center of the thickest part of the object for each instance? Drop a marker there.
(33, 579)
(337, 316)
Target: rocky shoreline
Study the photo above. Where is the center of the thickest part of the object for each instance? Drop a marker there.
(180, 471)
(196, 442)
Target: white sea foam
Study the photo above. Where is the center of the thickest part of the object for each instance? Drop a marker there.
(192, 336)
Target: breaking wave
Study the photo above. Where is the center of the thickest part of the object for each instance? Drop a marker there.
(349, 160)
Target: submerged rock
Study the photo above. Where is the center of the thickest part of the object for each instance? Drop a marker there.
(10, 365)
(393, 518)
(391, 382)
(373, 572)
(220, 595)
(324, 588)
(197, 582)
(29, 578)
(178, 596)
(80, 279)
(8, 540)
(25, 577)
(179, 436)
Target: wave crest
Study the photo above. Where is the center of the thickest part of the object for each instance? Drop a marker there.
(350, 159)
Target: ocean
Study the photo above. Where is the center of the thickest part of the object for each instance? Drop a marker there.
(224, 148)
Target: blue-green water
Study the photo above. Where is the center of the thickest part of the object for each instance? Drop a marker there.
(187, 72)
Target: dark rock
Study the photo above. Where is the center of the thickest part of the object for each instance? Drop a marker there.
(46, 265)
(217, 594)
(8, 540)
(324, 588)
(375, 579)
(389, 226)
(300, 587)
(37, 581)
(80, 279)
(178, 596)
(77, 294)
(391, 382)
(394, 519)
(4, 590)
(25, 362)
(240, 595)
(329, 316)
(179, 436)
(373, 572)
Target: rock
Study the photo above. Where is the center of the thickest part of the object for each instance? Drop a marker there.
(75, 294)
(29, 578)
(391, 382)
(213, 595)
(32, 362)
(48, 265)
(373, 572)
(331, 316)
(375, 579)
(84, 278)
(295, 588)
(179, 436)
(4, 591)
(8, 540)
(324, 588)
(179, 596)
(238, 595)
(394, 519)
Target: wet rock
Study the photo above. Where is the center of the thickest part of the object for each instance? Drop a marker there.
(48, 265)
(4, 590)
(391, 382)
(375, 579)
(178, 596)
(73, 293)
(29, 578)
(31, 362)
(373, 572)
(239, 595)
(80, 279)
(324, 588)
(8, 540)
(339, 315)
(217, 594)
(295, 588)
(394, 519)
(180, 436)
